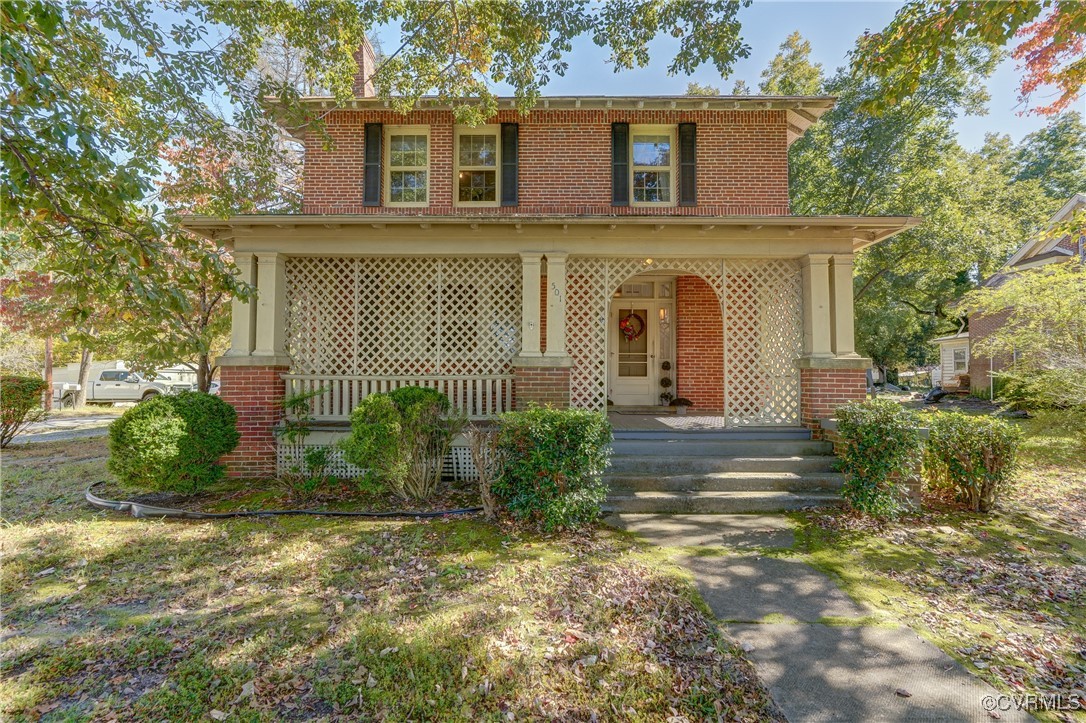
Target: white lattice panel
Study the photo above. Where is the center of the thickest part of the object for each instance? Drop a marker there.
(402, 317)
(761, 301)
(458, 464)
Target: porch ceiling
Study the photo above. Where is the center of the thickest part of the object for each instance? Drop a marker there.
(752, 235)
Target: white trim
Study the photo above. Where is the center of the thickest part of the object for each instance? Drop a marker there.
(671, 131)
(483, 130)
(1035, 246)
(406, 130)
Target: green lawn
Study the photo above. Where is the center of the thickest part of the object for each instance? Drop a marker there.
(1003, 593)
(317, 618)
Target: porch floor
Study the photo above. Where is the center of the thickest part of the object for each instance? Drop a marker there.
(642, 421)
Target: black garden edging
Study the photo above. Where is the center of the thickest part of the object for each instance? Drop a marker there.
(138, 509)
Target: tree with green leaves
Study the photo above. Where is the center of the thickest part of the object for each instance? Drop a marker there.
(791, 72)
(741, 88)
(1049, 37)
(1055, 156)
(693, 88)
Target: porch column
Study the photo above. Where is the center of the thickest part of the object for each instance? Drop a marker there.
(271, 306)
(816, 305)
(844, 324)
(242, 326)
(531, 274)
(556, 305)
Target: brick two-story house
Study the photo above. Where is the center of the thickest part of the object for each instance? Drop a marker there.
(579, 255)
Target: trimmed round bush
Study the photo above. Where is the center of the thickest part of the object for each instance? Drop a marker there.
(173, 443)
(553, 462)
(971, 459)
(20, 404)
(880, 442)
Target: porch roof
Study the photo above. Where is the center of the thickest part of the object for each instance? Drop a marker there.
(862, 230)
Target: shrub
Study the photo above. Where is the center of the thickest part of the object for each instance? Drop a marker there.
(309, 470)
(402, 439)
(553, 463)
(880, 440)
(172, 443)
(971, 458)
(485, 455)
(20, 405)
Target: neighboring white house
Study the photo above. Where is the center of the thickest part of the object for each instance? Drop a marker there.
(953, 357)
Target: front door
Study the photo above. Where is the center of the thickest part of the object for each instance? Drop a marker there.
(640, 342)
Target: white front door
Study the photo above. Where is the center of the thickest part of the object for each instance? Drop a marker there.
(640, 342)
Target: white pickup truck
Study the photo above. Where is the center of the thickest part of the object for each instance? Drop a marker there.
(118, 385)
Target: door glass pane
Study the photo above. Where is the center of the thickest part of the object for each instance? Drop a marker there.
(633, 342)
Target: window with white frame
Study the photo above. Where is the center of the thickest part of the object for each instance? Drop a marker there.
(961, 361)
(652, 167)
(477, 164)
(408, 169)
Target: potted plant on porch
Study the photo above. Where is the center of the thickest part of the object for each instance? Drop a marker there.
(680, 404)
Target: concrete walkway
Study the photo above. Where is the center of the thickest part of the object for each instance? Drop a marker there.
(813, 646)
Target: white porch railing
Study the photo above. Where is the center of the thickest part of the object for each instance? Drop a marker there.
(478, 397)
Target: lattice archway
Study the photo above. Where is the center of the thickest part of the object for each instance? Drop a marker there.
(762, 313)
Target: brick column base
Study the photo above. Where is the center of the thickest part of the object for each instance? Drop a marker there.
(256, 392)
(827, 384)
(541, 380)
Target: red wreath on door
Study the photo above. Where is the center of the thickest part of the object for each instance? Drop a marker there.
(632, 326)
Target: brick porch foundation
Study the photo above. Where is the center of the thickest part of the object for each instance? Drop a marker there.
(824, 386)
(256, 392)
(542, 385)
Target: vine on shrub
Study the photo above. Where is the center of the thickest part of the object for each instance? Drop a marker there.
(173, 443)
(972, 459)
(880, 439)
(402, 439)
(553, 465)
(20, 405)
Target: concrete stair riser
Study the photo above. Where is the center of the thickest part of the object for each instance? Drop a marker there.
(678, 448)
(718, 502)
(726, 482)
(649, 465)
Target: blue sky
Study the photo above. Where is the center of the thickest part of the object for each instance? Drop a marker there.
(831, 28)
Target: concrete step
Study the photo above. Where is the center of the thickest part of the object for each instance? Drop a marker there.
(781, 481)
(666, 465)
(718, 502)
(748, 433)
(691, 446)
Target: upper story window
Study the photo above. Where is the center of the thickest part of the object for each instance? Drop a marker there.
(652, 167)
(477, 164)
(408, 169)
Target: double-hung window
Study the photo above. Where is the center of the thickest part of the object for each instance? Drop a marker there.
(961, 361)
(477, 164)
(408, 169)
(652, 168)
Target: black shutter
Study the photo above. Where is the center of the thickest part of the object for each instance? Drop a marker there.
(371, 194)
(509, 164)
(620, 164)
(688, 168)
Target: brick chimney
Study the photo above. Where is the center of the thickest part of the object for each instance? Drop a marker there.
(367, 63)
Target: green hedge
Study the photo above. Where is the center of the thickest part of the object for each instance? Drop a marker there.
(552, 465)
(880, 442)
(971, 459)
(20, 405)
(172, 443)
(402, 438)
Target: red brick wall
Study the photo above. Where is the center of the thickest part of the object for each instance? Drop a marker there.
(257, 395)
(699, 344)
(823, 390)
(565, 162)
(980, 328)
(542, 386)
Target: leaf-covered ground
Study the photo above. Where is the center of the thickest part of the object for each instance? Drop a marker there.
(111, 618)
(1003, 593)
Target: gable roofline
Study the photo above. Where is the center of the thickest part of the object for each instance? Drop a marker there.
(1040, 245)
(802, 110)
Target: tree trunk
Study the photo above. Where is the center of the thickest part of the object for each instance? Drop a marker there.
(203, 373)
(85, 359)
(47, 402)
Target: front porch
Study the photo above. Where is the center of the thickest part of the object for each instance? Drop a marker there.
(754, 341)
